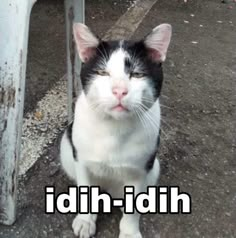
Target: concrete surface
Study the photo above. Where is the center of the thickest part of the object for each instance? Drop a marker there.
(197, 147)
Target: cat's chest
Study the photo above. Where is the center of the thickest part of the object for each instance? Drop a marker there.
(101, 143)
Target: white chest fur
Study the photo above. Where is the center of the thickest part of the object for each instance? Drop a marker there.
(110, 144)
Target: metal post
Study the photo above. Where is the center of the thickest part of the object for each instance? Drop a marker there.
(14, 27)
(74, 12)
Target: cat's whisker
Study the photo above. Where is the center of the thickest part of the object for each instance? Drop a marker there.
(104, 56)
(151, 120)
(166, 106)
(150, 112)
(95, 108)
(149, 130)
(164, 96)
(166, 136)
(149, 99)
(164, 133)
(148, 117)
(145, 99)
(155, 125)
(167, 124)
(142, 122)
(105, 52)
(96, 105)
(134, 55)
(146, 125)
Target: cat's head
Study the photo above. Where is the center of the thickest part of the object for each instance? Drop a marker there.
(122, 78)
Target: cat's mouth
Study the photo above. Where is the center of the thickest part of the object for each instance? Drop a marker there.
(120, 108)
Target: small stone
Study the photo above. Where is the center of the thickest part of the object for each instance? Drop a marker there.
(38, 115)
(220, 22)
(186, 21)
(50, 142)
(172, 64)
(43, 129)
(179, 76)
(194, 42)
(54, 168)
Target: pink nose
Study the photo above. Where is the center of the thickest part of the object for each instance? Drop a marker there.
(120, 92)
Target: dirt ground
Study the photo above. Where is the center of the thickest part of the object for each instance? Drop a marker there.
(198, 143)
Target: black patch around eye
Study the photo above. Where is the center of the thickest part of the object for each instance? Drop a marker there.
(128, 65)
(138, 60)
(88, 69)
(153, 70)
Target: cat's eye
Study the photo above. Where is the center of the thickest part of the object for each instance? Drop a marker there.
(102, 72)
(137, 75)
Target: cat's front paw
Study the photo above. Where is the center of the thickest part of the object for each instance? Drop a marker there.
(84, 228)
(136, 235)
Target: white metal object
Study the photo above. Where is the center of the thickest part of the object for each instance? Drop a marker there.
(74, 12)
(14, 27)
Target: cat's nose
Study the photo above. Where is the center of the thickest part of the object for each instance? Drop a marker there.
(120, 92)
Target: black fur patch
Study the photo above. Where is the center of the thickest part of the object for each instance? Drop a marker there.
(103, 53)
(139, 55)
(69, 135)
(128, 65)
(150, 162)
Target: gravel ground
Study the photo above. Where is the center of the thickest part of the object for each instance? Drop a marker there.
(197, 147)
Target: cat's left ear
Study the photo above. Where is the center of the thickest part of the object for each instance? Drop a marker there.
(86, 42)
(157, 42)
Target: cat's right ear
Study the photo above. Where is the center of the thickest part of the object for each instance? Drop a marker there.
(86, 42)
(157, 42)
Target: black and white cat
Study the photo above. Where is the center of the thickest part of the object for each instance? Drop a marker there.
(112, 141)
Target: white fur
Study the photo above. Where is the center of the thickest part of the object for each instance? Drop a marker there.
(113, 146)
(106, 158)
(101, 88)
